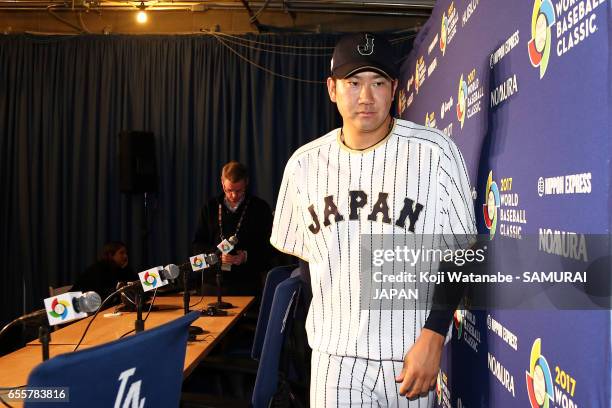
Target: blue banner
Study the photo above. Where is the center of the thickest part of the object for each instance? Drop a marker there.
(523, 88)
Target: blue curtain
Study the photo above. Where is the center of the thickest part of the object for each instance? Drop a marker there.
(64, 100)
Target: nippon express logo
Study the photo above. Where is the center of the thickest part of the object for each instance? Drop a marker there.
(580, 183)
(538, 378)
(542, 19)
(490, 207)
(59, 309)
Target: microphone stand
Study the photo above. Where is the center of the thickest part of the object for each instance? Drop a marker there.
(145, 231)
(220, 304)
(45, 338)
(193, 330)
(139, 323)
(186, 296)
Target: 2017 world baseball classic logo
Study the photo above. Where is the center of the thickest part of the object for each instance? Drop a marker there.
(572, 22)
(461, 97)
(489, 208)
(443, 397)
(458, 321)
(448, 28)
(419, 73)
(465, 324)
(439, 387)
(541, 390)
(430, 119)
(538, 378)
(501, 209)
(401, 104)
(443, 31)
(406, 96)
(469, 94)
(542, 19)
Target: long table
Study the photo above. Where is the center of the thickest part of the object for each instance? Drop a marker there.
(15, 367)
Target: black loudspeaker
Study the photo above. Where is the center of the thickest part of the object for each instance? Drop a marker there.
(137, 163)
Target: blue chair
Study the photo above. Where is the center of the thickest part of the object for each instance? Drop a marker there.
(275, 276)
(286, 298)
(146, 369)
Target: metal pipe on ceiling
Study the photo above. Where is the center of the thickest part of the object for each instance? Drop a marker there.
(298, 5)
(428, 6)
(187, 8)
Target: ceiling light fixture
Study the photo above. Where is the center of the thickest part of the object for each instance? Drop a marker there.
(141, 17)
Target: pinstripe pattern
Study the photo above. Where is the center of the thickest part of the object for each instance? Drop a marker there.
(348, 391)
(414, 163)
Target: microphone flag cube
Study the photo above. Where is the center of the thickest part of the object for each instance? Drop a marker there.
(225, 247)
(151, 279)
(61, 310)
(198, 262)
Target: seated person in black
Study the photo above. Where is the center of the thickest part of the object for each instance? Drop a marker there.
(249, 218)
(103, 275)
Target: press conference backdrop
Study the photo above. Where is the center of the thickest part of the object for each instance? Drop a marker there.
(523, 88)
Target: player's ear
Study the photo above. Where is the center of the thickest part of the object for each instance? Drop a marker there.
(394, 84)
(331, 89)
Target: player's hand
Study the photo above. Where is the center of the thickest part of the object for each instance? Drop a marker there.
(228, 259)
(237, 259)
(241, 257)
(421, 365)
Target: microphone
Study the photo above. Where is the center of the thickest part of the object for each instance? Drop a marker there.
(213, 259)
(204, 261)
(71, 306)
(225, 247)
(89, 302)
(157, 277)
(171, 271)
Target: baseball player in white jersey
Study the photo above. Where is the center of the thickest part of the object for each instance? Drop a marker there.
(375, 175)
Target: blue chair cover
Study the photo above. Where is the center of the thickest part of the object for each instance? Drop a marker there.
(141, 370)
(275, 276)
(279, 323)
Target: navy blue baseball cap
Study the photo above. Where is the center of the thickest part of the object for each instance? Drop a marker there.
(355, 53)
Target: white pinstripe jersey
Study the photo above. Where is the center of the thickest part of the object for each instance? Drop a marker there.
(413, 182)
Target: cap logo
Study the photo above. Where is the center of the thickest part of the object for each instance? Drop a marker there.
(368, 47)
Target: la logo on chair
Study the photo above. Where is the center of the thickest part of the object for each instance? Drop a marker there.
(133, 393)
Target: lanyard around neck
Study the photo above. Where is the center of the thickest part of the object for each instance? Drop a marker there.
(246, 204)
